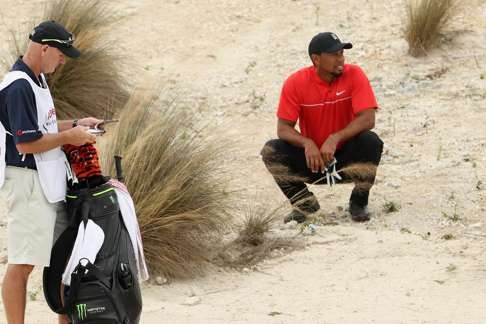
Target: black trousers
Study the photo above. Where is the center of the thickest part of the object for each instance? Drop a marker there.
(287, 164)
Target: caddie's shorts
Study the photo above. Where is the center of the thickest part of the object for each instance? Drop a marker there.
(33, 222)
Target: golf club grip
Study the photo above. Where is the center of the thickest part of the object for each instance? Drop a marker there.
(118, 167)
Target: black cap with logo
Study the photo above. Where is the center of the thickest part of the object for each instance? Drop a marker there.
(55, 35)
(327, 43)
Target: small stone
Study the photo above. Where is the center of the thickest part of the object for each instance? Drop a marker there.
(394, 185)
(159, 280)
(246, 270)
(192, 301)
(310, 229)
(313, 228)
(192, 292)
(33, 295)
(448, 237)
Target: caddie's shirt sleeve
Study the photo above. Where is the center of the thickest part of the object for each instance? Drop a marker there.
(22, 112)
(289, 107)
(362, 95)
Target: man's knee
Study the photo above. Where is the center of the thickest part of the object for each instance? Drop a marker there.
(270, 149)
(277, 156)
(370, 142)
(19, 271)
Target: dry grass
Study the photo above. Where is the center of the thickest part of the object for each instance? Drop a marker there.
(257, 223)
(361, 174)
(93, 84)
(425, 21)
(283, 174)
(177, 182)
(246, 256)
(255, 241)
(391, 207)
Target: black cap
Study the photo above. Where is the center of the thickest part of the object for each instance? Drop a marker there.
(55, 35)
(327, 43)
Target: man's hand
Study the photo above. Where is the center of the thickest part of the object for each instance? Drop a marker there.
(89, 122)
(313, 156)
(78, 136)
(329, 148)
(75, 136)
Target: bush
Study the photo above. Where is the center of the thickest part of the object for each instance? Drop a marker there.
(255, 242)
(92, 85)
(425, 21)
(177, 182)
(256, 225)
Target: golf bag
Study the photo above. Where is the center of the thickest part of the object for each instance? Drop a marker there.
(106, 291)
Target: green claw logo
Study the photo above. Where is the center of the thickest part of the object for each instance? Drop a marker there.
(81, 308)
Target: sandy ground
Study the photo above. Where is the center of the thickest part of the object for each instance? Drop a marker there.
(226, 61)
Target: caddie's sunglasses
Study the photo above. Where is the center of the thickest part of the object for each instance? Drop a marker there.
(68, 42)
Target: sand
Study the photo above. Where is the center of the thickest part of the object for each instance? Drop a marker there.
(226, 61)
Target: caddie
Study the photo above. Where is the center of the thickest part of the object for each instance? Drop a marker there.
(33, 169)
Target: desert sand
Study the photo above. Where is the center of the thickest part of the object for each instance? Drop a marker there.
(226, 60)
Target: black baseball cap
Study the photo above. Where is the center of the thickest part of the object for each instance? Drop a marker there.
(53, 34)
(327, 42)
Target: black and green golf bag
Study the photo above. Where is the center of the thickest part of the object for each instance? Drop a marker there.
(108, 290)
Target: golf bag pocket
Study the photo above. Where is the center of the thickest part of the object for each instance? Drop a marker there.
(92, 298)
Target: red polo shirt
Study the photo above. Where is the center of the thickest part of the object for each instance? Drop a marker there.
(324, 108)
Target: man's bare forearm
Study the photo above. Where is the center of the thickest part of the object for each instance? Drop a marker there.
(364, 121)
(287, 132)
(63, 125)
(45, 143)
(76, 136)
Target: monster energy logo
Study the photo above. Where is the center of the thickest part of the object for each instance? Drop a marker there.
(81, 308)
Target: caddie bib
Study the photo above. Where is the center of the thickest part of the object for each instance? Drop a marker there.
(52, 165)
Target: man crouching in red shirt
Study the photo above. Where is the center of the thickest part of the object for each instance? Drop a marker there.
(335, 106)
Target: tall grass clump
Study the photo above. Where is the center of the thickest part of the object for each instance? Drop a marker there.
(256, 225)
(425, 21)
(93, 84)
(254, 241)
(176, 178)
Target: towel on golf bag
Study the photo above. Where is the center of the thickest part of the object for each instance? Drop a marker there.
(89, 241)
(127, 208)
(106, 290)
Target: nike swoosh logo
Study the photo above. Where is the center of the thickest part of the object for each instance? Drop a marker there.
(340, 92)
